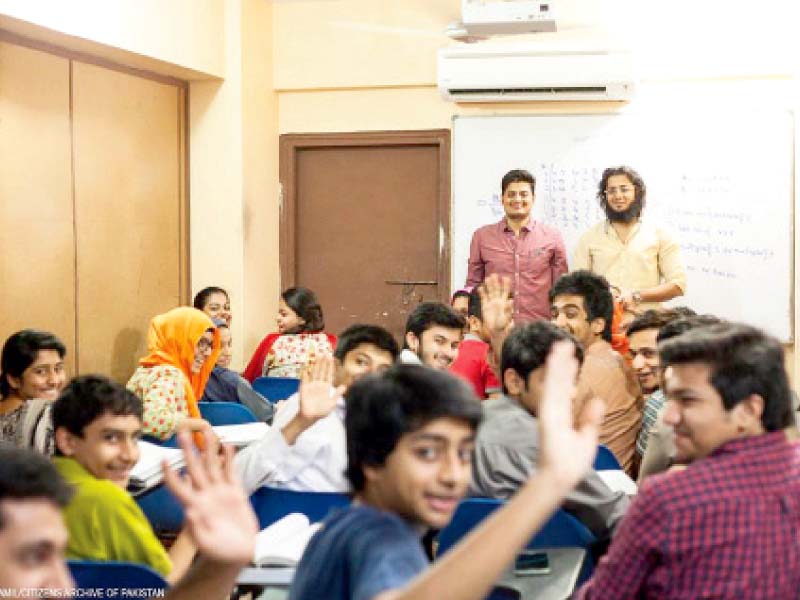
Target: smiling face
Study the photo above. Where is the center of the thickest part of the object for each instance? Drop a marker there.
(695, 411)
(518, 200)
(361, 360)
(643, 349)
(288, 321)
(437, 347)
(426, 475)
(621, 201)
(108, 448)
(569, 314)
(33, 540)
(202, 350)
(226, 348)
(44, 378)
(218, 306)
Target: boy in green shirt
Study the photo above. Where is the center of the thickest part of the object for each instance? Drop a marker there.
(97, 426)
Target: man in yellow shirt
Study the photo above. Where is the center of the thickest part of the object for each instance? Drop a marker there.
(641, 260)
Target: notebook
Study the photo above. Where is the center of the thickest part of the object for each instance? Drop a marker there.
(283, 543)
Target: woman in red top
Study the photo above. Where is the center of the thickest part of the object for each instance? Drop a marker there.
(299, 341)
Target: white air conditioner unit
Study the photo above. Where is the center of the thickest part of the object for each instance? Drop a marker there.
(501, 74)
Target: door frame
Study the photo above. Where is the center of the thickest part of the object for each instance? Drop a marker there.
(292, 143)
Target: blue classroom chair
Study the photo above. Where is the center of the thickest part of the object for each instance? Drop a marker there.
(226, 413)
(605, 460)
(276, 388)
(162, 509)
(561, 531)
(93, 575)
(271, 504)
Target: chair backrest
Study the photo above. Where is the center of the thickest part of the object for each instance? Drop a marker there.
(162, 509)
(271, 504)
(92, 575)
(605, 460)
(226, 413)
(276, 388)
(561, 531)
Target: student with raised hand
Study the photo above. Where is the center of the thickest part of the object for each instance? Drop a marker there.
(33, 537)
(299, 341)
(31, 376)
(305, 449)
(215, 302)
(183, 345)
(98, 423)
(410, 434)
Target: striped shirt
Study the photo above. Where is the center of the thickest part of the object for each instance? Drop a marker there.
(652, 405)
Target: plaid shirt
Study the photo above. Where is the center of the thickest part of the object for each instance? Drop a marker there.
(726, 527)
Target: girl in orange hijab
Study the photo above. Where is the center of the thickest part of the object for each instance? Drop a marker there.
(183, 346)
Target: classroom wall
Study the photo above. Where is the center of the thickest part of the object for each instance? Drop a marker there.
(232, 130)
(176, 37)
(358, 65)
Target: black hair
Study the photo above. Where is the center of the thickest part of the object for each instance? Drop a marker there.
(380, 408)
(28, 475)
(743, 360)
(355, 335)
(527, 346)
(474, 308)
(678, 326)
(515, 175)
(594, 289)
(201, 299)
(427, 314)
(88, 397)
(459, 294)
(651, 319)
(20, 352)
(635, 179)
(305, 304)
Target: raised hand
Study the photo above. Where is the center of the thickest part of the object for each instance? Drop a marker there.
(317, 397)
(218, 513)
(567, 448)
(496, 303)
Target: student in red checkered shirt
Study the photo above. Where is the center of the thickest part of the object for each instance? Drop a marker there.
(728, 526)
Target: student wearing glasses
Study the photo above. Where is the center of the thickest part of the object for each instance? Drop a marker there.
(635, 255)
(183, 347)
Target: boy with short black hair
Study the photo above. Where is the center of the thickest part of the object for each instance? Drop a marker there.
(433, 334)
(97, 426)
(472, 361)
(410, 435)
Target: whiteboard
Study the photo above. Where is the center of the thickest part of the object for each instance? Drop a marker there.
(721, 183)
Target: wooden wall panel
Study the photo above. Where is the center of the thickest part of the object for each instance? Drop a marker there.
(37, 257)
(127, 146)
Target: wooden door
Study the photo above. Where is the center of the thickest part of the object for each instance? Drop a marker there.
(128, 140)
(365, 223)
(37, 256)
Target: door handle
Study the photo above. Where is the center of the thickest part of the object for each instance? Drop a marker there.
(405, 282)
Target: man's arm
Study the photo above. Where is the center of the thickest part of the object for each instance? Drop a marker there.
(476, 268)
(559, 261)
(219, 519)
(316, 399)
(470, 569)
(581, 258)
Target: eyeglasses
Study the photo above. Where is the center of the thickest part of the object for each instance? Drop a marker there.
(625, 189)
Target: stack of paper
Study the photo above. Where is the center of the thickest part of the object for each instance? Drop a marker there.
(241, 435)
(147, 471)
(283, 543)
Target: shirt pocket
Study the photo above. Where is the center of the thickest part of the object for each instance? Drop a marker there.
(536, 261)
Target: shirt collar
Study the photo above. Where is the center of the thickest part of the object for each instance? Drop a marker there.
(71, 469)
(529, 227)
(609, 230)
(751, 443)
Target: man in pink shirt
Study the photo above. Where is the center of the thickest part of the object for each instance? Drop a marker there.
(530, 253)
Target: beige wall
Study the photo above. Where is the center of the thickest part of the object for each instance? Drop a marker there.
(358, 65)
(175, 37)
